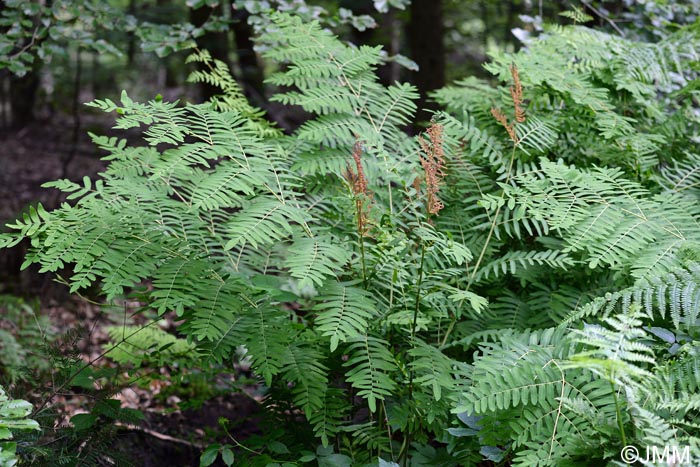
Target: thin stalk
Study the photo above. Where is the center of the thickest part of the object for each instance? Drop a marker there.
(388, 428)
(362, 259)
(418, 291)
(407, 439)
(483, 249)
(82, 368)
(618, 412)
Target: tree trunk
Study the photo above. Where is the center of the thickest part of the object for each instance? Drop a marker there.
(251, 70)
(215, 42)
(425, 36)
(131, 36)
(510, 19)
(22, 91)
(23, 97)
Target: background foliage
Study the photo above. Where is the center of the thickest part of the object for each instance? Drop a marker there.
(510, 278)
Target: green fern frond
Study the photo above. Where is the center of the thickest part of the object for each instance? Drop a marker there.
(616, 351)
(370, 365)
(682, 176)
(329, 419)
(312, 260)
(344, 312)
(232, 99)
(612, 220)
(302, 366)
(514, 261)
(263, 221)
(675, 294)
(133, 345)
(433, 369)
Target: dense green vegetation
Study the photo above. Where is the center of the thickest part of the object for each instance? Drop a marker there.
(512, 282)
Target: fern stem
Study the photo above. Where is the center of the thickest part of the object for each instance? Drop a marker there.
(223, 425)
(362, 259)
(483, 249)
(493, 223)
(420, 283)
(407, 439)
(618, 412)
(385, 418)
(453, 321)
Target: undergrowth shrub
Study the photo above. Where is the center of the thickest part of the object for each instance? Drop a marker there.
(518, 283)
(23, 334)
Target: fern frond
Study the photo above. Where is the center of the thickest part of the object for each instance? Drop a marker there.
(675, 294)
(303, 367)
(370, 365)
(514, 261)
(432, 368)
(263, 221)
(682, 176)
(329, 419)
(312, 260)
(344, 312)
(133, 345)
(613, 220)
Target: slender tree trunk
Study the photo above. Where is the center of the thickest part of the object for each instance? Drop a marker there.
(4, 104)
(387, 33)
(23, 97)
(75, 137)
(95, 83)
(131, 44)
(392, 23)
(23, 90)
(215, 42)
(4, 78)
(425, 36)
(510, 18)
(251, 70)
(485, 18)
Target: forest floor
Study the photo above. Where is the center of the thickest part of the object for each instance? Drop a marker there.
(179, 422)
